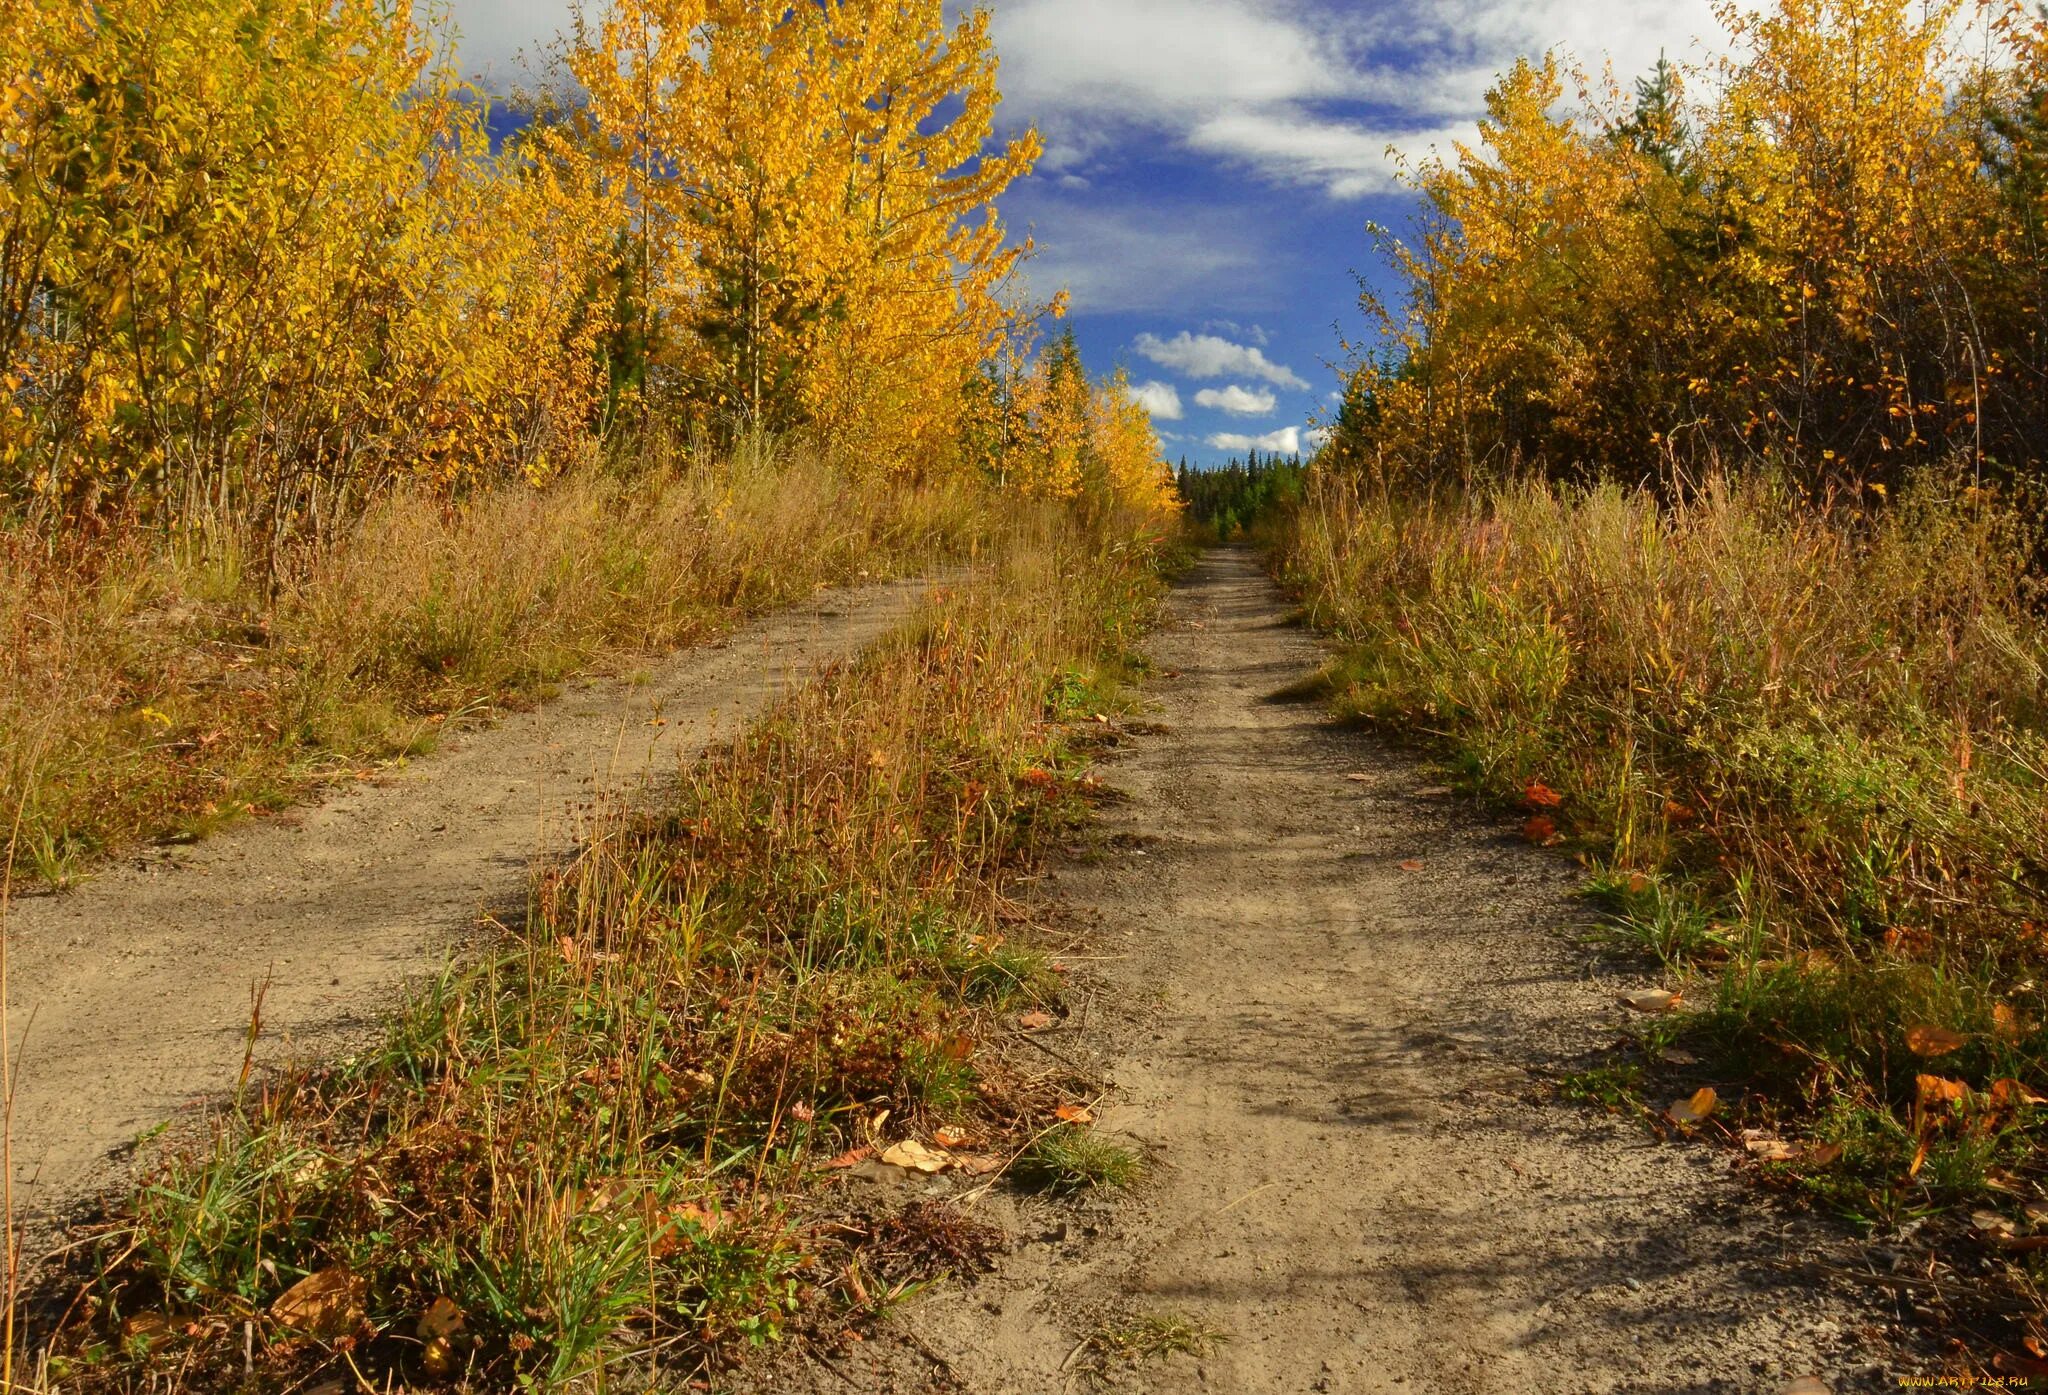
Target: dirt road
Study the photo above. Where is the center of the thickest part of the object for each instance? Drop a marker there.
(130, 997)
(1336, 1061)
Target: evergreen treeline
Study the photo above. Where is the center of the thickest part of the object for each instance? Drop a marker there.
(1240, 494)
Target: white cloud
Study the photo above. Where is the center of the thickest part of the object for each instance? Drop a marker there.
(1239, 402)
(1207, 356)
(1305, 94)
(504, 42)
(1162, 400)
(1347, 161)
(1287, 440)
(1129, 258)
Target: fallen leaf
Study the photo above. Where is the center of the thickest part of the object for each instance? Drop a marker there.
(1933, 1041)
(852, 1157)
(1768, 1147)
(1992, 1226)
(978, 1164)
(1538, 795)
(1821, 1154)
(1935, 1089)
(1679, 813)
(443, 1318)
(1637, 883)
(707, 1222)
(1035, 1021)
(437, 1357)
(1695, 1110)
(914, 1155)
(1413, 864)
(1074, 1114)
(2009, 1025)
(1540, 829)
(2010, 1094)
(325, 1305)
(1651, 1000)
(1359, 778)
(1435, 792)
(950, 1138)
(148, 1328)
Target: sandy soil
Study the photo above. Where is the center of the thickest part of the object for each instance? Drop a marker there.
(131, 996)
(1337, 1065)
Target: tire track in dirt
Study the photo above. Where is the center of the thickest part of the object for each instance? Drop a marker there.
(1338, 1066)
(130, 996)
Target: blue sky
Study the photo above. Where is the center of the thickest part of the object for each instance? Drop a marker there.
(1212, 165)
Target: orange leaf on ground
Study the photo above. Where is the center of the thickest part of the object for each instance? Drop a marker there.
(1035, 1021)
(949, 1137)
(1540, 829)
(852, 1157)
(2010, 1094)
(1933, 1041)
(1934, 1089)
(325, 1305)
(1413, 864)
(1074, 1114)
(1679, 813)
(1541, 796)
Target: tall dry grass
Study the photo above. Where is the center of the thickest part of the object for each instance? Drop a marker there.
(1806, 756)
(153, 687)
(592, 1153)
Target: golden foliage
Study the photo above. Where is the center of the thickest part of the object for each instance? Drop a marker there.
(1833, 265)
(261, 260)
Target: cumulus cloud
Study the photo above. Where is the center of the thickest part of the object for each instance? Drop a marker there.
(1208, 356)
(1287, 441)
(1239, 402)
(1161, 400)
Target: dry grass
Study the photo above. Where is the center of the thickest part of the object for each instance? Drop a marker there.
(153, 688)
(1805, 757)
(594, 1146)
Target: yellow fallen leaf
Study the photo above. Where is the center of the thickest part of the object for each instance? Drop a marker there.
(914, 1155)
(1695, 1110)
(1651, 1000)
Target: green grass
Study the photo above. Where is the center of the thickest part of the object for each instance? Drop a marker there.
(596, 1143)
(1073, 1157)
(1140, 1338)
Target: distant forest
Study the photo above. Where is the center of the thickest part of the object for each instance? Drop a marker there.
(1233, 498)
